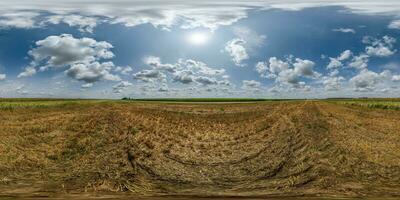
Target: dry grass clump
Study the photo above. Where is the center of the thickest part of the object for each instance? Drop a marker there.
(268, 148)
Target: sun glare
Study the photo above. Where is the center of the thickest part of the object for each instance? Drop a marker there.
(198, 38)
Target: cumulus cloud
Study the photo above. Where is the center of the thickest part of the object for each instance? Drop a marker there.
(155, 63)
(2, 77)
(345, 55)
(383, 47)
(92, 72)
(336, 63)
(118, 88)
(332, 83)
(344, 30)
(237, 51)
(206, 80)
(124, 70)
(396, 78)
(359, 62)
(63, 50)
(150, 75)
(262, 68)
(184, 76)
(82, 56)
(200, 67)
(244, 45)
(183, 71)
(367, 80)
(380, 47)
(288, 71)
(305, 68)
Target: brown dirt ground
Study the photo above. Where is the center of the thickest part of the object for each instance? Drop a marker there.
(311, 148)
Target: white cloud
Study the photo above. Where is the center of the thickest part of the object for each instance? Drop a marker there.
(367, 80)
(262, 69)
(184, 76)
(83, 57)
(186, 14)
(252, 38)
(20, 19)
(396, 78)
(344, 30)
(337, 62)
(206, 80)
(359, 62)
(305, 68)
(85, 24)
(184, 72)
(118, 88)
(2, 77)
(92, 72)
(383, 47)
(334, 72)
(332, 83)
(200, 67)
(345, 55)
(288, 72)
(190, 75)
(87, 85)
(124, 70)
(155, 63)
(63, 50)
(334, 64)
(28, 71)
(150, 75)
(380, 47)
(251, 85)
(276, 66)
(395, 24)
(237, 51)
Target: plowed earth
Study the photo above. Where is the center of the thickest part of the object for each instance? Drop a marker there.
(311, 148)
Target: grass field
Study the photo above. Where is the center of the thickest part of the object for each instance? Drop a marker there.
(194, 100)
(334, 148)
(393, 104)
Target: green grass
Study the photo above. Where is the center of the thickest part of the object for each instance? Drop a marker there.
(11, 104)
(390, 104)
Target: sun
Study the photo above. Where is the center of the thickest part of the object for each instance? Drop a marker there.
(198, 38)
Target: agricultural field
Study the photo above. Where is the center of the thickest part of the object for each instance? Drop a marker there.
(392, 104)
(328, 148)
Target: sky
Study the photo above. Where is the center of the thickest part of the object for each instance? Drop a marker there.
(162, 48)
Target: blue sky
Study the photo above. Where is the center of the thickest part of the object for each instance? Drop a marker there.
(268, 49)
